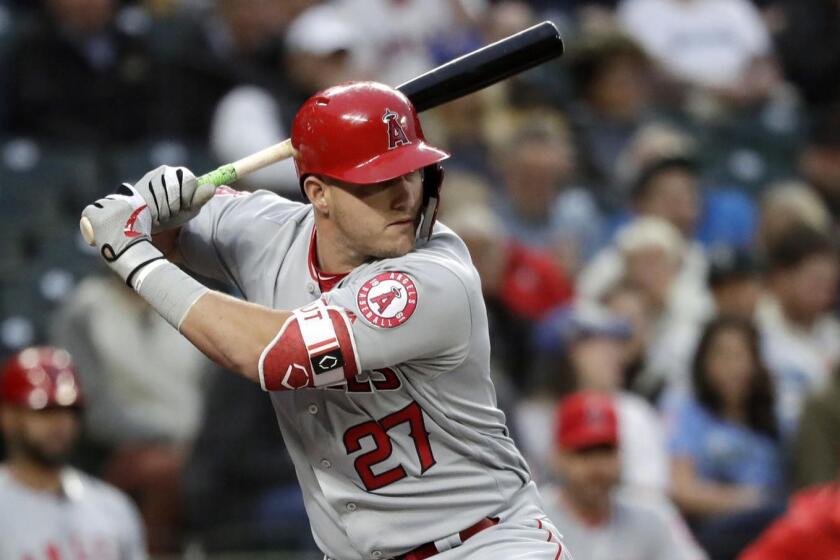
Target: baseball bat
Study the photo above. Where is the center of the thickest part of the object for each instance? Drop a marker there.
(457, 78)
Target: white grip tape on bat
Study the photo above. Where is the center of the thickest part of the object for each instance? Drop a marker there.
(314, 348)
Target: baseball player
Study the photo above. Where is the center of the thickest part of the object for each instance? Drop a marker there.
(365, 321)
(49, 511)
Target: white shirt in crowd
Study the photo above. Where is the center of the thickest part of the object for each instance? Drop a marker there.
(706, 42)
(800, 360)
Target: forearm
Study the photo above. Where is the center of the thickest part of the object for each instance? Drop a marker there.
(704, 498)
(232, 332)
(698, 497)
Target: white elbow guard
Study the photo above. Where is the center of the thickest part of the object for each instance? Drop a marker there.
(314, 348)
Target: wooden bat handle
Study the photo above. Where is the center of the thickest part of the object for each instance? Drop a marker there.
(87, 231)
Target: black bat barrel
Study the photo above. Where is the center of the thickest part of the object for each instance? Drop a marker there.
(484, 67)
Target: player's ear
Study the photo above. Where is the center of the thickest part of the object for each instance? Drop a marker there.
(316, 192)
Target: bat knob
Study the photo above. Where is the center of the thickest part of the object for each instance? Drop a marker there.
(87, 231)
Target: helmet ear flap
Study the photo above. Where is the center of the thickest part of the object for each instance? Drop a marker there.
(432, 181)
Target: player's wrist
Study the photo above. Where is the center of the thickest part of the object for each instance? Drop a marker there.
(128, 263)
(168, 290)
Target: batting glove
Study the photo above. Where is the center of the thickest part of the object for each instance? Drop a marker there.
(122, 227)
(173, 195)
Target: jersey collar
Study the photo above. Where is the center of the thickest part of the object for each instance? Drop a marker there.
(326, 281)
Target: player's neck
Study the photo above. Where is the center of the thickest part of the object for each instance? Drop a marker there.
(332, 256)
(36, 476)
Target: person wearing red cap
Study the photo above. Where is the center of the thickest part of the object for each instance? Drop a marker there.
(366, 323)
(47, 509)
(598, 524)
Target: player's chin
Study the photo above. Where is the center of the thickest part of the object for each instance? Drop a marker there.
(396, 247)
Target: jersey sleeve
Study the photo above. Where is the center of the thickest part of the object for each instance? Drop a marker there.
(231, 230)
(410, 312)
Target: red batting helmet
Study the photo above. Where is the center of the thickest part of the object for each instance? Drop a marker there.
(366, 132)
(39, 378)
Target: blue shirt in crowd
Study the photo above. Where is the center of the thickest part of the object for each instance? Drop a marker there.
(723, 451)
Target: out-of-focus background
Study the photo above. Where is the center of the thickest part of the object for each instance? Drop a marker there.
(654, 216)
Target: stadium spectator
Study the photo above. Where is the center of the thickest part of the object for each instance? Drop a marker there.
(668, 188)
(584, 348)
(816, 448)
(82, 75)
(735, 281)
(396, 36)
(661, 172)
(629, 303)
(650, 254)
(727, 464)
(807, 37)
(143, 384)
(318, 46)
(520, 284)
(722, 46)
(49, 509)
(801, 335)
(540, 207)
(785, 205)
(595, 520)
(819, 160)
(505, 18)
(202, 58)
(612, 78)
(809, 530)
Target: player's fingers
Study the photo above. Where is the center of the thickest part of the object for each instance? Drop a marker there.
(202, 194)
(187, 188)
(173, 183)
(165, 211)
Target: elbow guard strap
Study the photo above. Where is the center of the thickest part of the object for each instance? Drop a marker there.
(314, 348)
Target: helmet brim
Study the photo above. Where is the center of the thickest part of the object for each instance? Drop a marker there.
(392, 164)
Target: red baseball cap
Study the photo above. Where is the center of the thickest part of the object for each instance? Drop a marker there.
(39, 378)
(586, 419)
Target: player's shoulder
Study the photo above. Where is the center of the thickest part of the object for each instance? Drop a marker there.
(445, 249)
(259, 205)
(443, 259)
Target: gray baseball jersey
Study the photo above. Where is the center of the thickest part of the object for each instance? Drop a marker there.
(90, 520)
(413, 448)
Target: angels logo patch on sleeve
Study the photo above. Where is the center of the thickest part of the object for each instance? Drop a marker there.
(388, 299)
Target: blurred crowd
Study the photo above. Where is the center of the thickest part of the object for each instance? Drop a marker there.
(653, 218)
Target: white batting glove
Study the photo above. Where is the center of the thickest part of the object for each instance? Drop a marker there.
(173, 195)
(122, 228)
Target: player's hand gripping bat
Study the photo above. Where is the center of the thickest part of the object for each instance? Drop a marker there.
(457, 78)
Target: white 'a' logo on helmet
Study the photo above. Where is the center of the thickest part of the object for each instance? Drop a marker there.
(396, 134)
